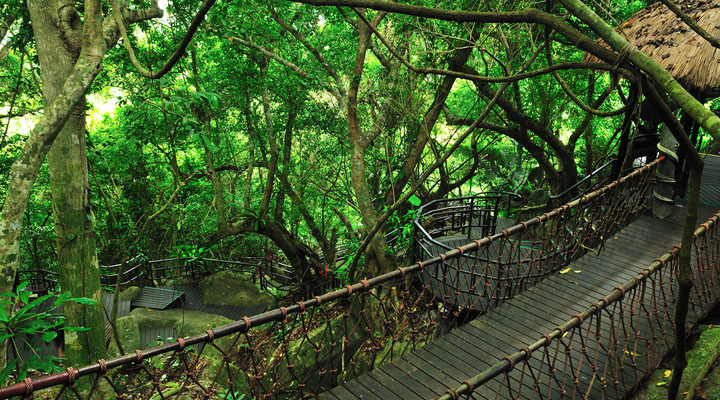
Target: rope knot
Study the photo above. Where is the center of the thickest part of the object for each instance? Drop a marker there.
(470, 386)
(527, 352)
(72, 376)
(349, 290)
(621, 290)
(103, 366)
(247, 320)
(318, 299)
(138, 356)
(510, 360)
(211, 335)
(28, 386)
(366, 284)
(181, 344)
(453, 394)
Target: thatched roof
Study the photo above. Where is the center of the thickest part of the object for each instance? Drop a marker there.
(658, 33)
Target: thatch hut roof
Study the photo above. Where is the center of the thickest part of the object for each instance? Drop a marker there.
(660, 34)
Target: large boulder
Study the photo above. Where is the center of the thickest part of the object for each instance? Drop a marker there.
(130, 293)
(317, 358)
(185, 323)
(129, 333)
(222, 373)
(227, 288)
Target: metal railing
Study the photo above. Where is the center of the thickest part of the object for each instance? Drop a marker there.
(472, 216)
(271, 275)
(519, 259)
(595, 179)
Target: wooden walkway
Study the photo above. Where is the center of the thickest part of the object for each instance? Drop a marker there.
(157, 298)
(474, 347)
(710, 189)
(193, 301)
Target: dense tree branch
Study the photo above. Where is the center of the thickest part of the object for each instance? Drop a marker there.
(589, 116)
(460, 57)
(696, 110)
(498, 79)
(179, 51)
(340, 91)
(529, 15)
(421, 180)
(289, 64)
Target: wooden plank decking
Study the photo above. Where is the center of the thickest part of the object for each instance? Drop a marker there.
(710, 189)
(472, 348)
(193, 301)
(158, 298)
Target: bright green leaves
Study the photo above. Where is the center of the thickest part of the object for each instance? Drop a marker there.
(414, 200)
(27, 318)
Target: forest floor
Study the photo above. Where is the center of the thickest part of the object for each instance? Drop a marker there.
(705, 340)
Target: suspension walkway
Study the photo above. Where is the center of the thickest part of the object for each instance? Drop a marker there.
(437, 368)
(575, 303)
(468, 350)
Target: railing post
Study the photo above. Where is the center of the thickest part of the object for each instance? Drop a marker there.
(470, 217)
(149, 271)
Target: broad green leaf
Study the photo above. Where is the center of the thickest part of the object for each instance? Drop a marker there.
(76, 329)
(414, 200)
(24, 296)
(63, 297)
(49, 336)
(83, 300)
(22, 286)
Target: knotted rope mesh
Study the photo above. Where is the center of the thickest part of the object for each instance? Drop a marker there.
(605, 351)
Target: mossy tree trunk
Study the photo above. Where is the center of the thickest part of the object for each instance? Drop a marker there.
(69, 186)
(685, 281)
(24, 170)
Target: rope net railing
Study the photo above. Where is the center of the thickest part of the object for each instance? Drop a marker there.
(504, 265)
(607, 350)
(306, 348)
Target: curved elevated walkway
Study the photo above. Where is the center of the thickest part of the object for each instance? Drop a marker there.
(473, 348)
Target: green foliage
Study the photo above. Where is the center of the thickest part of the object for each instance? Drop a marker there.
(149, 152)
(25, 319)
(404, 228)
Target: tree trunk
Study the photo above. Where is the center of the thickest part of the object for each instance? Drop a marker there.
(69, 186)
(358, 146)
(685, 281)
